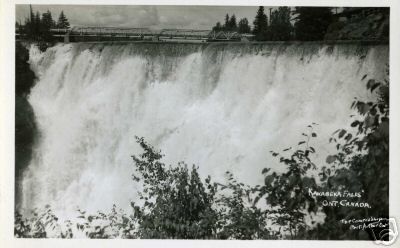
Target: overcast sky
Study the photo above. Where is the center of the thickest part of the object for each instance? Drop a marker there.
(156, 17)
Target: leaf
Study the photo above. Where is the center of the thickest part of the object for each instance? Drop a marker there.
(370, 83)
(364, 77)
(269, 179)
(375, 86)
(384, 128)
(353, 104)
(362, 107)
(348, 137)
(373, 110)
(330, 159)
(308, 182)
(369, 121)
(354, 123)
(265, 170)
(341, 133)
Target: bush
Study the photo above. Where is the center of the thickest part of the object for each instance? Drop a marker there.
(177, 204)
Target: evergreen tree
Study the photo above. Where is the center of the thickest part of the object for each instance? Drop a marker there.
(36, 26)
(31, 14)
(217, 27)
(261, 25)
(280, 26)
(244, 26)
(46, 24)
(47, 20)
(27, 28)
(226, 25)
(232, 23)
(17, 26)
(62, 21)
(29, 24)
(312, 22)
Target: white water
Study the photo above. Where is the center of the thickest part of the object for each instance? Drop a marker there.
(220, 107)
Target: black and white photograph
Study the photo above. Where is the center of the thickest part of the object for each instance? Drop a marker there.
(202, 122)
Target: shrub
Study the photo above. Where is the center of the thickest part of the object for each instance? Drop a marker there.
(177, 203)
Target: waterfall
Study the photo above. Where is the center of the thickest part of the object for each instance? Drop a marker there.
(218, 106)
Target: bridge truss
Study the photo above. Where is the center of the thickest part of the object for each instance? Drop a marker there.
(119, 33)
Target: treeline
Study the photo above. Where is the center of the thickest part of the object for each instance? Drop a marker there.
(37, 27)
(232, 25)
(301, 23)
(176, 203)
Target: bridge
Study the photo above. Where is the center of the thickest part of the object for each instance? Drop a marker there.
(80, 34)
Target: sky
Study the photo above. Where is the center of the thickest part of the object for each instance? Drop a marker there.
(154, 17)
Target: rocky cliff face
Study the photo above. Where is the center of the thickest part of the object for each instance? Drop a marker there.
(25, 125)
(374, 26)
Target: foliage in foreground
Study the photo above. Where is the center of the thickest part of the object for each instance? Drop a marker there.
(177, 203)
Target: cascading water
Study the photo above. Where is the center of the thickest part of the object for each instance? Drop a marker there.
(219, 106)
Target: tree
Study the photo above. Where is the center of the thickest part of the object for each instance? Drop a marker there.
(226, 24)
(31, 14)
(217, 27)
(29, 24)
(260, 25)
(312, 22)
(361, 163)
(229, 25)
(286, 192)
(36, 26)
(244, 27)
(177, 203)
(280, 27)
(62, 21)
(47, 20)
(46, 24)
(232, 23)
(241, 218)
